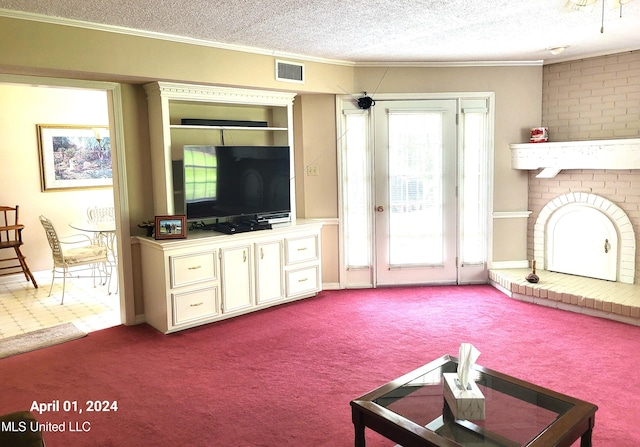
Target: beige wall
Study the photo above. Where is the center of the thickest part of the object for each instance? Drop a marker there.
(138, 156)
(316, 136)
(592, 99)
(74, 52)
(21, 108)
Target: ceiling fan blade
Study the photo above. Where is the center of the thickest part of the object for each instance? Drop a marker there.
(580, 5)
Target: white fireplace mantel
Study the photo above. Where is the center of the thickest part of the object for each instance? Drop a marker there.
(595, 154)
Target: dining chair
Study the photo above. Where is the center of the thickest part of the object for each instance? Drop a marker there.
(11, 238)
(102, 214)
(96, 214)
(80, 251)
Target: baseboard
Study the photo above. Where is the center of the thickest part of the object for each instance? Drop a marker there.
(19, 277)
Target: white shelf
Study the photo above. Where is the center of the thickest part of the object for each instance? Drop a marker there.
(595, 154)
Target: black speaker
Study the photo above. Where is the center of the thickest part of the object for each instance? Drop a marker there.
(366, 102)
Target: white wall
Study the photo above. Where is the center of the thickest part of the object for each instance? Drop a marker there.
(21, 109)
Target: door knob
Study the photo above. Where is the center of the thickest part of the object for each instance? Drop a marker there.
(379, 209)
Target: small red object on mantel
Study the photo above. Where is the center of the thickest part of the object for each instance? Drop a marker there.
(539, 135)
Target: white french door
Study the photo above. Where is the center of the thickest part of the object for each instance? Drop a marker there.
(415, 192)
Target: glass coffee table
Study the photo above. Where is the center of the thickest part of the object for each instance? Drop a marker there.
(412, 412)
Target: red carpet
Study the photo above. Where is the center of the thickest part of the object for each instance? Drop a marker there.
(285, 376)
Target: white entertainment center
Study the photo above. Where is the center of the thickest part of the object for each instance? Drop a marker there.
(211, 276)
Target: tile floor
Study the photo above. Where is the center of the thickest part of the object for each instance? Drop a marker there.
(24, 309)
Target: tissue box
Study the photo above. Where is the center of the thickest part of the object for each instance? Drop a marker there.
(464, 404)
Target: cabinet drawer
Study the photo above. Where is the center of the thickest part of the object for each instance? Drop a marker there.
(194, 305)
(301, 249)
(192, 269)
(302, 281)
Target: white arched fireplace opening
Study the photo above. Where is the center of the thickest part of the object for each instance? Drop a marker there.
(587, 235)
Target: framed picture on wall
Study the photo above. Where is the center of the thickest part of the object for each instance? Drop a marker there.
(74, 157)
(171, 227)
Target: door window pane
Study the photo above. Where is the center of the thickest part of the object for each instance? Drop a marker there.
(473, 207)
(415, 188)
(356, 193)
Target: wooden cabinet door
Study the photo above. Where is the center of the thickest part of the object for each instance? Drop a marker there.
(269, 271)
(237, 287)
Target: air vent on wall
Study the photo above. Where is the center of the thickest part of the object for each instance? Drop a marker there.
(289, 71)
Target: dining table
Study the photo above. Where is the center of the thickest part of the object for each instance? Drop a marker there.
(104, 233)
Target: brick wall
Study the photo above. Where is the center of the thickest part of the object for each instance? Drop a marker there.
(591, 99)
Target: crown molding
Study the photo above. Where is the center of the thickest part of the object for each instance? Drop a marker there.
(174, 90)
(21, 15)
(449, 64)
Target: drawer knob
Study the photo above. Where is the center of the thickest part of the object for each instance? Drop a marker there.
(303, 280)
(302, 248)
(197, 304)
(195, 267)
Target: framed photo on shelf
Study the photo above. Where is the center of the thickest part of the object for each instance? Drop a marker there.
(171, 227)
(74, 157)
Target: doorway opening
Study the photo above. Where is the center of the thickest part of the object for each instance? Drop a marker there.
(111, 110)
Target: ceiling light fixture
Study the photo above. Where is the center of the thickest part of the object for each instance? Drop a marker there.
(557, 50)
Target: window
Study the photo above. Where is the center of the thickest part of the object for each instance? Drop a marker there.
(473, 183)
(200, 168)
(356, 191)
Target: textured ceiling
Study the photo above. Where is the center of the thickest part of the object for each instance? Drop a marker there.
(370, 31)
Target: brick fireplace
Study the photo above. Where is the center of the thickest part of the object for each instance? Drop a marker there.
(599, 174)
(587, 99)
(604, 248)
(616, 193)
(591, 99)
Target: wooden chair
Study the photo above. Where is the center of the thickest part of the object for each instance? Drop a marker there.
(11, 237)
(81, 251)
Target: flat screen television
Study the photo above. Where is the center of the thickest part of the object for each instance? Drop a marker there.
(234, 181)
